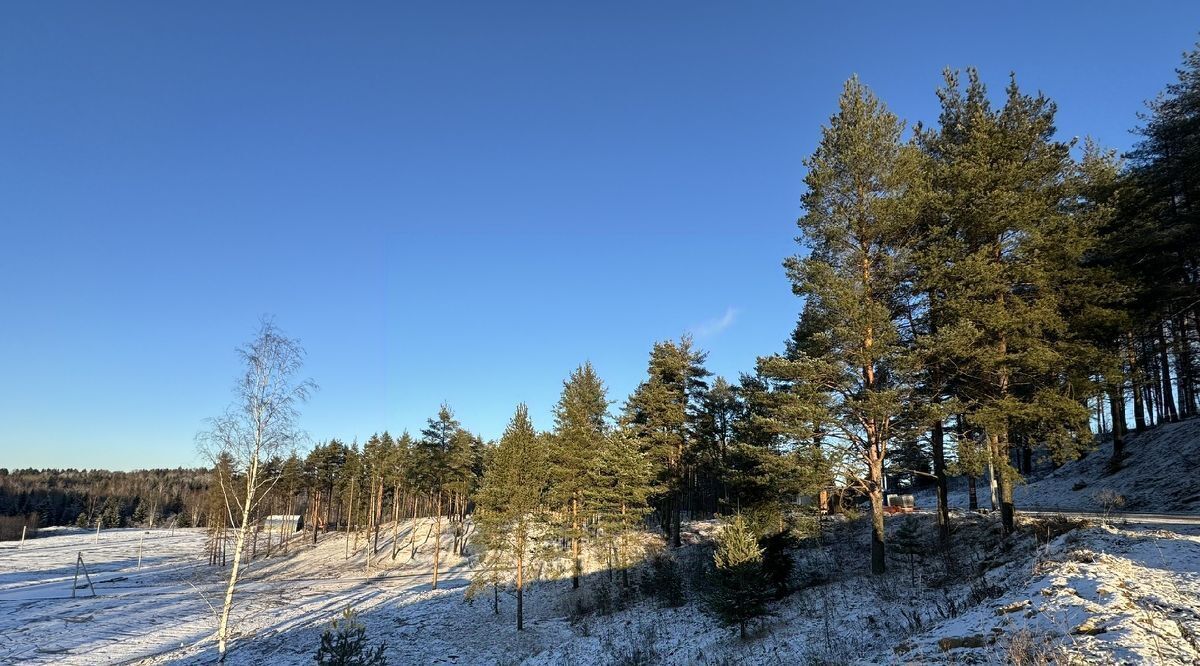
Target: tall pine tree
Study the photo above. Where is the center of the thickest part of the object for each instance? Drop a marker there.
(851, 369)
(580, 431)
(512, 501)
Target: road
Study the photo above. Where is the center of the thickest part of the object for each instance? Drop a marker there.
(1116, 516)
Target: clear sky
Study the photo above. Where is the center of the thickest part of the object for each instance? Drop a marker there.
(446, 201)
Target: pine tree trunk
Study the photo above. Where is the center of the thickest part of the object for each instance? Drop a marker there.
(576, 564)
(1005, 483)
(937, 438)
(378, 513)
(1116, 402)
(349, 519)
(992, 487)
(520, 591)
(437, 542)
(395, 520)
(878, 561)
(1135, 376)
(1183, 368)
(676, 519)
(1170, 413)
(316, 514)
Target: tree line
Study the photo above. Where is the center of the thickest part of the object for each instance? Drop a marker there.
(114, 499)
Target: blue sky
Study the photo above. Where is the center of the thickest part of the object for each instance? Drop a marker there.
(446, 201)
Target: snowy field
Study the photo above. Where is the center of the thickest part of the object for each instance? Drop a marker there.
(1098, 593)
(161, 612)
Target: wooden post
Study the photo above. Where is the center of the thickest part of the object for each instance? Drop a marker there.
(22, 536)
(97, 530)
(140, 539)
(75, 582)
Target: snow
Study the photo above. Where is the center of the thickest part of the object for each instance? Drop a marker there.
(1139, 590)
(1101, 594)
(1160, 473)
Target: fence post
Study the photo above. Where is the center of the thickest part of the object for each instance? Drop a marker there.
(22, 536)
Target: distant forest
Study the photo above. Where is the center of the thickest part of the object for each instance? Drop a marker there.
(115, 499)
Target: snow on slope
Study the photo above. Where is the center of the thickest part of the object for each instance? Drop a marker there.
(1095, 595)
(1161, 472)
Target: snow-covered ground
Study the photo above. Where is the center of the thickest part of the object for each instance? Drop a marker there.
(1092, 594)
(1096, 595)
(163, 612)
(1160, 473)
(1099, 593)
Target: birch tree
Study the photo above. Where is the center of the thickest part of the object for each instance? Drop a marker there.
(259, 424)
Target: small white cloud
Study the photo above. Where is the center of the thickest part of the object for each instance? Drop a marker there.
(715, 326)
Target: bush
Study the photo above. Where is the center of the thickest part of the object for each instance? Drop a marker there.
(11, 527)
(1109, 501)
(344, 643)
(637, 648)
(663, 581)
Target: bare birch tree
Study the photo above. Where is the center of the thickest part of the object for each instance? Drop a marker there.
(259, 423)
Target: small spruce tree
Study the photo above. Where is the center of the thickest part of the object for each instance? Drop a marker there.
(740, 591)
(344, 643)
(778, 565)
(908, 541)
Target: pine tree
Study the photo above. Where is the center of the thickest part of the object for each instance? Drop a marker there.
(344, 643)
(621, 484)
(739, 587)
(661, 414)
(713, 435)
(432, 464)
(398, 475)
(322, 469)
(1002, 196)
(850, 367)
(580, 430)
(510, 509)
(1155, 252)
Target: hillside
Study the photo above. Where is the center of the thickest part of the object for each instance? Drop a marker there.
(1091, 592)
(1161, 472)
